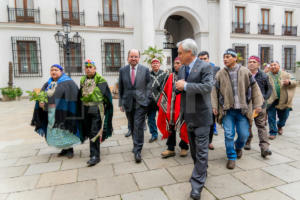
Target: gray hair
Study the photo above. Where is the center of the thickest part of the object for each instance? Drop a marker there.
(136, 50)
(189, 45)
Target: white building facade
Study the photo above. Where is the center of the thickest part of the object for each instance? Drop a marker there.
(109, 28)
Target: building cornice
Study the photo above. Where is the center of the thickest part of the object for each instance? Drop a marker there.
(270, 2)
(48, 27)
(264, 37)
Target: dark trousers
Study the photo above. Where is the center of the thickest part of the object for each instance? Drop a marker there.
(136, 120)
(211, 131)
(199, 138)
(91, 127)
(171, 142)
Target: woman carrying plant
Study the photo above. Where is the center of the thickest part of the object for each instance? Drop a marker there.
(55, 112)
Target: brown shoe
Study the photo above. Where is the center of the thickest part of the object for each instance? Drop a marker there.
(230, 164)
(183, 153)
(248, 145)
(272, 137)
(280, 131)
(211, 146)
(167, 154)
(239, 153)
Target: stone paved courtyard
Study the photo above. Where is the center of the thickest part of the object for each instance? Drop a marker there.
(30, 170)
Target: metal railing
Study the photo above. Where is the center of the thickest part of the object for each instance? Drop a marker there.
(266, 29)
(73, 18)
(289, 30)
(111, 20)
(23, 15)
(240, 27)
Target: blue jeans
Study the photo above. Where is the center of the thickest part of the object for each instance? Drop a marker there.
(152, 123)
(282, 116)
(234, 120)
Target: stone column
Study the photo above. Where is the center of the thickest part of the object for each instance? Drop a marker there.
(147, 21)
(225, 23)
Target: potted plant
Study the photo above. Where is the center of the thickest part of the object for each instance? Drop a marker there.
(153, 52)
(8, 93)
(18, 92)
(297, 74)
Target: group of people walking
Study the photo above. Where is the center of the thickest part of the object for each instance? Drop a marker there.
(188, 101)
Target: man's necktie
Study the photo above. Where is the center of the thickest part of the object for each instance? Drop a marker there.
(187, 72)
(132, 76)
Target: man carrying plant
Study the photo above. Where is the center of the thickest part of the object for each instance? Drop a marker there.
(97, 110)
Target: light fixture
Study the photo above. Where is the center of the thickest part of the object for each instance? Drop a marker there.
(67, 28)
(77, 38)
(59, 37)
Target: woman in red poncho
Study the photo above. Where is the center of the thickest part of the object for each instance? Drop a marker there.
(169, 121)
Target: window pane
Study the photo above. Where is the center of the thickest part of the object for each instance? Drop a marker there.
(30, 4)
(33, 57)
(22, 57)
(117, 59)
(115, 10)
(75, 6)
(106, 10)
(241, 17)
(20, 5)
(236, 14)
(108, 55)
(65, 7)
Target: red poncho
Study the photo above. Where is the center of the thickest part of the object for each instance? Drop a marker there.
(169, 112)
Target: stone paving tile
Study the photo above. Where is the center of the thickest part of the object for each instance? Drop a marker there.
(110, 143)
(49, 150)
(182, 191)
(269, 194)
(290, 153)
(219, 186)
(3, 156)
(156, 163)
(184, 160)
(129, 156)
(129, 167)
(8, 163)
(153, 178)
(121, 149)
(86, 190)
(233, 198)
(125, 141)
(150, 145)
(217, 154)
(295, 164)
(116, 185)
(284, 172)
(95, 172)
(57, 178)
(86, 152)
(42, 168)
(18, 184)
(218, 167)
(157, 151)
(3, 196)
(292, 190)
(110, 198)
(74, 163)
(41, 194)
(275, 159)
(112, 159)
(258, 179)
(182, 173)
(21, 154)
(8, 172)
(55, 158)
(155, 193)
(33, 160)
(248, 162)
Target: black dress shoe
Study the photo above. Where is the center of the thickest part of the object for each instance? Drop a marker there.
(152, 139)
(138, 157)
(128, 134)
(62, 153)
(93, 161)
(266, 153)
(195, 195)
(70, 153)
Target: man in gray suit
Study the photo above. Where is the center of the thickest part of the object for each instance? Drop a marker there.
(135, 93)
(195, 84)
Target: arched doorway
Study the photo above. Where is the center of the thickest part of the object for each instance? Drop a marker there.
(177, 29)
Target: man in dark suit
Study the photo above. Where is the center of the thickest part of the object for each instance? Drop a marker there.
(135, 93)
(195, 83)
